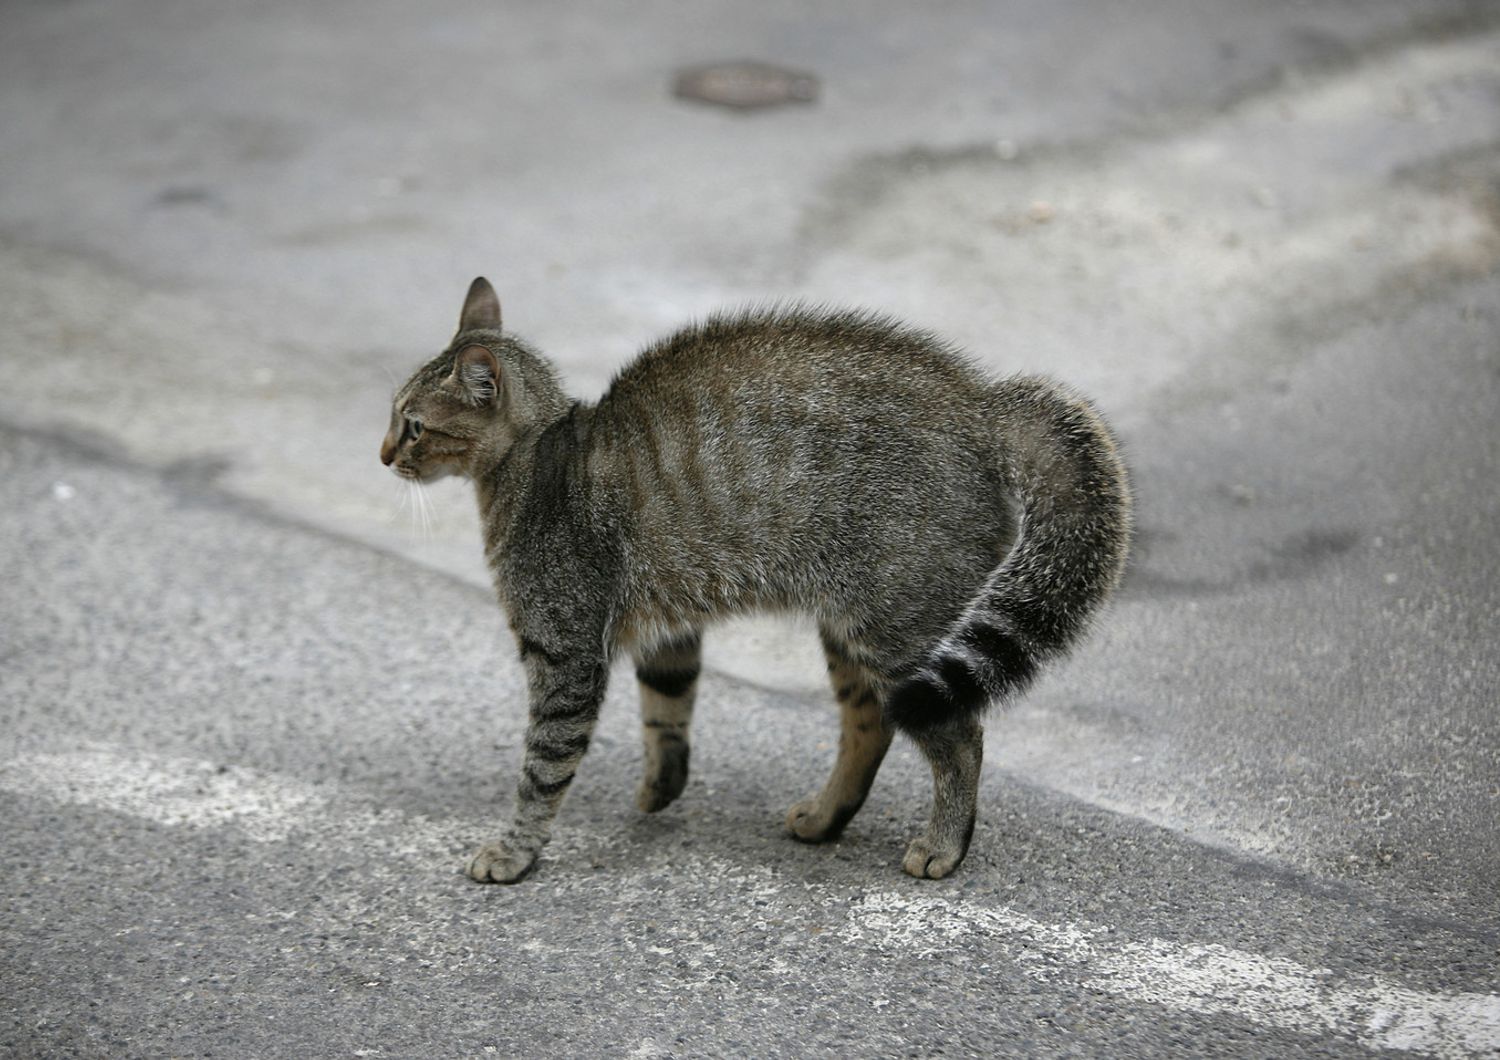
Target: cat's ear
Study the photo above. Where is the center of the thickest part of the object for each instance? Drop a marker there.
(476, 370)
(481, 307)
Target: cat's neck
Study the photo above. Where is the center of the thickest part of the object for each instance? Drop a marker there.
(503, 465)
(536, 459)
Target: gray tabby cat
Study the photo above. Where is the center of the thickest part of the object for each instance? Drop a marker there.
(835, 463)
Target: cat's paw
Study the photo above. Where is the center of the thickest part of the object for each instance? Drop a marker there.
(811, 822)
(931, 861)
(659, 789)
(652, 795)
(498, 863)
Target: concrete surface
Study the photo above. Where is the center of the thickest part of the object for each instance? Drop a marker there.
(255, 709)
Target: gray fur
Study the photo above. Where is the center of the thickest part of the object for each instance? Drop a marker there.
(949, 532)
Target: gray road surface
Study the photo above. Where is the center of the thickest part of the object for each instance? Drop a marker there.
(253, 714)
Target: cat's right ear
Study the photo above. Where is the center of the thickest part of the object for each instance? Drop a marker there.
(478, 373)
(481, 308)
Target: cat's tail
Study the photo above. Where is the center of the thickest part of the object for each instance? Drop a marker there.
(1061, 463)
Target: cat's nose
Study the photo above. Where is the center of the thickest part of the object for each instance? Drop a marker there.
(387, 451)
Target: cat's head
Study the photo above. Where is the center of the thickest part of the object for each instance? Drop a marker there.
(467, 403)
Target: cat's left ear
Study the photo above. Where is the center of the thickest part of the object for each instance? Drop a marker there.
(476, 370)
(481, 308)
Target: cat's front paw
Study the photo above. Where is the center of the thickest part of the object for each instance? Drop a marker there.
(498, 863)
(926, 859)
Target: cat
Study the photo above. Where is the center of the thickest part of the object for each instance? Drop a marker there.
(949, 532)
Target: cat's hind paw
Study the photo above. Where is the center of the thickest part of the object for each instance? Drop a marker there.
(661, 787)
(812, 822)
(498, 863)
(931, 861)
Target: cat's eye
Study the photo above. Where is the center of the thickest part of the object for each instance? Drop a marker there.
(413, 429)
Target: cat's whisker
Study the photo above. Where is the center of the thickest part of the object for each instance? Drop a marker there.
(418, 522)
(426, 507)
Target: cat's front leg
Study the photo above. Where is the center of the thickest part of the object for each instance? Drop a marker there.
(565, 690)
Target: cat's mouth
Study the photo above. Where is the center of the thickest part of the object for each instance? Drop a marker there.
(425, 477)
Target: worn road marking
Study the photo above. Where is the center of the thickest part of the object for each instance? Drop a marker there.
(192, 793)
(1208, 979)
(1205, 979)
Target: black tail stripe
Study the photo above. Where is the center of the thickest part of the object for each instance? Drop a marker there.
(670, 683)
(918, 702)
(995, 644)
(962, 681)
(1014, 665)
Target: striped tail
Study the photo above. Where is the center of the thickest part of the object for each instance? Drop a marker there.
(1061, 463)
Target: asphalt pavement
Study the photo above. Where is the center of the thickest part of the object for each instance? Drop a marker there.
(257, 703)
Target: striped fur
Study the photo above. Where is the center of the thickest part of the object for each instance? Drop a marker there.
(668, 676)
(1075, 520)
(832, 462)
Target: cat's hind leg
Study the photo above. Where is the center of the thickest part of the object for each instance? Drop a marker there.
(668, 676)
(863, 740)
(954, 750)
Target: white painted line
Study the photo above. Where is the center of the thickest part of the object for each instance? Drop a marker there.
(1208, 979)
(191, 793)
(1205, 979)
